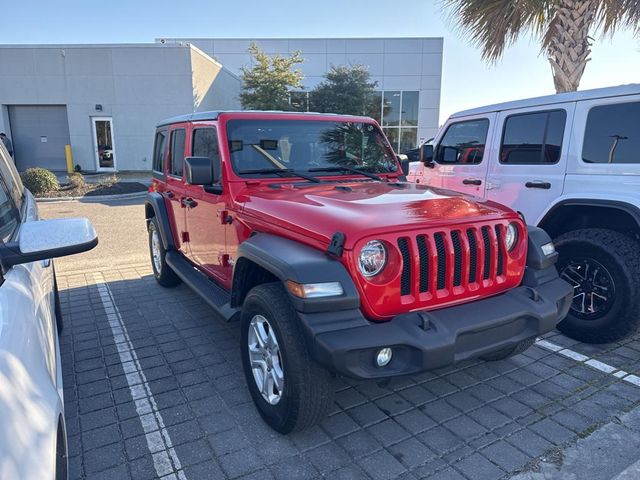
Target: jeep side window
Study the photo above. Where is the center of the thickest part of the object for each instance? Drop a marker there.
(463, 143)
(612, 134)
(533, 138)
(205, 143)
(176, 159)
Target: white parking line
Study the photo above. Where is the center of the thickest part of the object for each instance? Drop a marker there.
(165, 459)
(592, 362)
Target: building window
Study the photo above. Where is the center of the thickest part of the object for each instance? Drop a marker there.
(398, 116)
(299, 101)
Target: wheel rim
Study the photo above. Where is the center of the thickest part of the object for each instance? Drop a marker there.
(593, 288)
(265, 358)
(155, 250)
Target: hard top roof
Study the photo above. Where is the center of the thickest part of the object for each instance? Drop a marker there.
(213, 115)
(631, 89)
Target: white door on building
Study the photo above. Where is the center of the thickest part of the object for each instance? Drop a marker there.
(104, 148)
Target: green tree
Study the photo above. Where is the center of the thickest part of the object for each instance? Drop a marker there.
(564, 28)
(267, 83)
(346, 89)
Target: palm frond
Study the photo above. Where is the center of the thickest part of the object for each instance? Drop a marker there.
(613, 15)
(494, 25)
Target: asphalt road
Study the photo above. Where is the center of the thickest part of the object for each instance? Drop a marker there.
(122, 235)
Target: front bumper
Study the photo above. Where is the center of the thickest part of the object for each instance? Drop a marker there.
(346, 342)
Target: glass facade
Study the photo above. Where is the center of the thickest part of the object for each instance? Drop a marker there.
(395, 110)
(399, 118)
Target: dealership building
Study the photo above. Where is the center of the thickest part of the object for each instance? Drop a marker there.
(105, 100)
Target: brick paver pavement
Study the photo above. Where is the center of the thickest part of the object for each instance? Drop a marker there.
(476, 420)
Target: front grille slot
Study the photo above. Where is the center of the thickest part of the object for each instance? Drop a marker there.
(457, 263)
(423, 251)
(405, 278)
(473, 260)
(499, 242)
(442, 261)
(487, 253)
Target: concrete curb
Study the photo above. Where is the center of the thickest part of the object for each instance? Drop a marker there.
(97, 198)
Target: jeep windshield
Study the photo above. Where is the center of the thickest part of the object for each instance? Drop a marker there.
(277, 148)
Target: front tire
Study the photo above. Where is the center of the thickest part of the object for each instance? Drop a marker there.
(290, 390)
(161, 271)
(604, 269)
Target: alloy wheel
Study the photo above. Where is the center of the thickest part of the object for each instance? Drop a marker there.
(266, 360)
(593, 288)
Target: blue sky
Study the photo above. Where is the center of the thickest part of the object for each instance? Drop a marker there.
(466, 82)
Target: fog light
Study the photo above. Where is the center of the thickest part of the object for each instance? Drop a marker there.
(548, 249)
(384, 357)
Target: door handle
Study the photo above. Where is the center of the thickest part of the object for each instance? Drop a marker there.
(538, 184)
(188, 202)
(472, 181)
(169, 194)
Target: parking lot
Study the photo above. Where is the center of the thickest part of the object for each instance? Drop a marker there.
(154, 388)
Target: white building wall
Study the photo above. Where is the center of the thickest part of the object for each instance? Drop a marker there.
(136, 85)
(395, 63)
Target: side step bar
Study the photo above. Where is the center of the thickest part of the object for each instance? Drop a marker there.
(216, 297)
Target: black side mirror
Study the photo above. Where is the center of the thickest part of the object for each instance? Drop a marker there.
(426, 155)
(203, 171)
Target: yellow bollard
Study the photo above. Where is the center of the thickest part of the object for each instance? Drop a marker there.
(67, 153)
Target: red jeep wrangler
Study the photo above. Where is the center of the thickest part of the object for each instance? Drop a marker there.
(301, 225)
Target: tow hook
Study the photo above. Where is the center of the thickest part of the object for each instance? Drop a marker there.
(533, 294)
(426, 322)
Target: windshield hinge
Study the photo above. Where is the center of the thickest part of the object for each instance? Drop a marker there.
(336, 246)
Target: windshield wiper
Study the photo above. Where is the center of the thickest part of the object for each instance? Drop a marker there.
(280, 172)
(344, 168)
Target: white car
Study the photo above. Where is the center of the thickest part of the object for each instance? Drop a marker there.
(32, 431)
(571, 164)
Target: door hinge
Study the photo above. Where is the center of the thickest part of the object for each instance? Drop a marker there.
(225, 217)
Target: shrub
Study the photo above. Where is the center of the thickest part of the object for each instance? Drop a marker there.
(109, 180)
(40, 181)
(76, 180)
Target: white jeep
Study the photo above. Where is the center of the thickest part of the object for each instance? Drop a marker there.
(570, 163)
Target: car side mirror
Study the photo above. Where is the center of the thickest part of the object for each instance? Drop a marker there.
(203, 171)
(426, 155)
(45, 239)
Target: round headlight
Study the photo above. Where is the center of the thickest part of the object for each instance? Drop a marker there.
(372, 258)
(511, 237)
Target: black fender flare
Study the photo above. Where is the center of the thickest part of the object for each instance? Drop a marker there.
(155, 201)
(290, 260)
(628, 208)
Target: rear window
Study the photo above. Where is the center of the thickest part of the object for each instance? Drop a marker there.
(612, 134)
(533, 138)
(159, 150)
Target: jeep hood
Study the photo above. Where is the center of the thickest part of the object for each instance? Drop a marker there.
(362, 209)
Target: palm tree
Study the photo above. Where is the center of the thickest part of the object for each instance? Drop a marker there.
(565, 28)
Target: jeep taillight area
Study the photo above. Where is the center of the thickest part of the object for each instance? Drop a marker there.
(302, 228)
